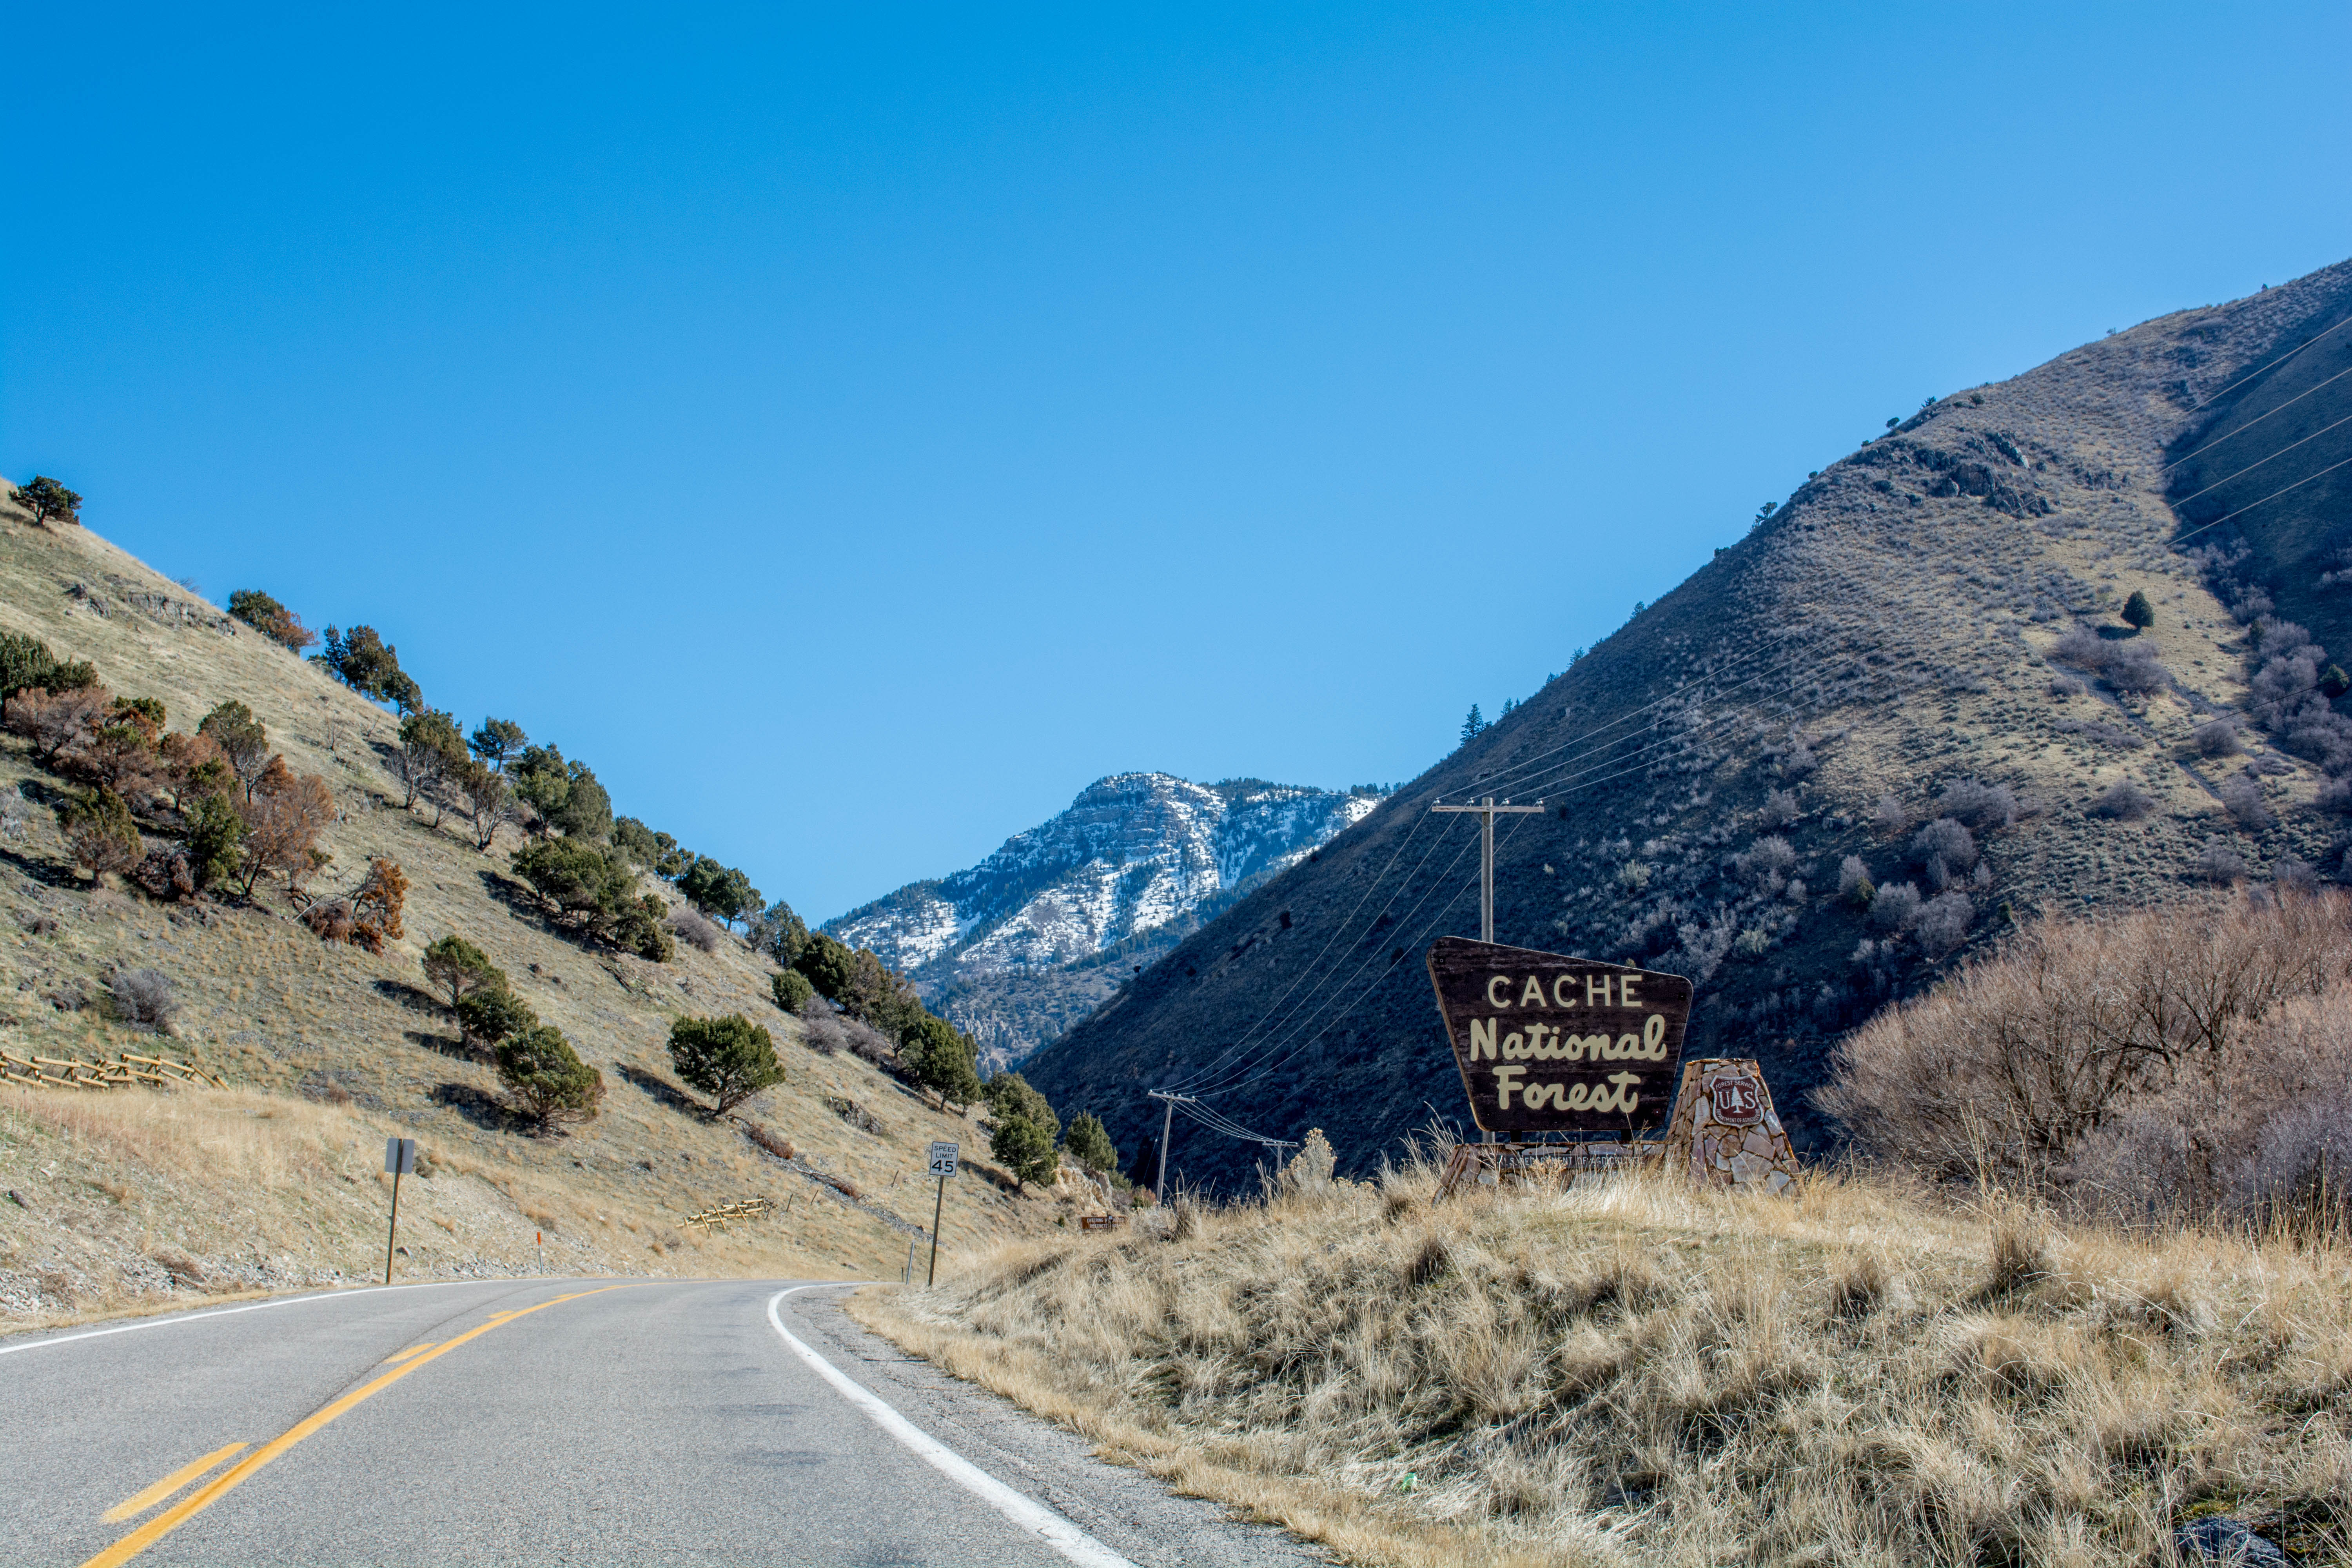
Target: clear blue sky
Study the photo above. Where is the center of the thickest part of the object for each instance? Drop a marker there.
(853, 431)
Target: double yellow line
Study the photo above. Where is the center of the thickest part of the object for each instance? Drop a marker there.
(163, 1523)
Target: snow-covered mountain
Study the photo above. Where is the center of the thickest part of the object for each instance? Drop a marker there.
(1036, 936)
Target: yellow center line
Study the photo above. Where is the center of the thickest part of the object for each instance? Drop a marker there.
(395, 1359)
(170, 1520)
(170, 1484)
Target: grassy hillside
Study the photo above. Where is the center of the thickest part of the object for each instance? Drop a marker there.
(1924, 640)
(328, 1048)
(1638, 1372)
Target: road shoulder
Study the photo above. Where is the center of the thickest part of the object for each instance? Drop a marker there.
(1123, 1508)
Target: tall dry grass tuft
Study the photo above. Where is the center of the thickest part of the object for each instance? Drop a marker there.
(1638, 1372)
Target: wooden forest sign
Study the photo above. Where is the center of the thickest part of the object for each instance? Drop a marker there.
(1547, 1043)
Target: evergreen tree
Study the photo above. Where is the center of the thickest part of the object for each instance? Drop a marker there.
(45, 499)
(27, 662)
(792, 990)
(831, 967)
(942, 1058)
(780, 933)
(459, 968)
(271, 619)
(2139, 612)
(729, 1058)
(1089, 1144)
(720, 891)
(496, 740)
(494, 1014)
(215, 841)
(549, 1082)
(1472, 724)
(243, 741)
(1026, 1128)
(104, 835)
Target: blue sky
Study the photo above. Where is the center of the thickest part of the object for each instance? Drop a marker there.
(853, 431)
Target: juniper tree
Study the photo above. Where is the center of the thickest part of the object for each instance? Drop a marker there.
(1089, 1144)
(2139, 612)
(729, 1058)
(493, 1013)
(457, 967)
(45, 499)
(549, 1082)
(271, 619)
(243, 741)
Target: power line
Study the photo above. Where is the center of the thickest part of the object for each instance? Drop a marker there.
(2258, 370)
(2250, 468)
(2257, 420)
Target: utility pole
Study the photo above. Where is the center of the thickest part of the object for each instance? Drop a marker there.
(1167, 1121)
(1487, 810)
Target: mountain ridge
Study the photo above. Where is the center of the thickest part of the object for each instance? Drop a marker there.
(1013, 947)
(1913, 666)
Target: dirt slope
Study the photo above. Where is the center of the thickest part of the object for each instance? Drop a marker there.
(1894, 630)
(330, 1048)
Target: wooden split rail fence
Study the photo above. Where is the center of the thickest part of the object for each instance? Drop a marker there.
(126, 1069)
(743, 1208)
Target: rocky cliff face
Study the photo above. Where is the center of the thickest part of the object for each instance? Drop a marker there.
(1020, 946)
(1900, 716)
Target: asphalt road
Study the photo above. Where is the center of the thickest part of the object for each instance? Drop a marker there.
(577, 1422)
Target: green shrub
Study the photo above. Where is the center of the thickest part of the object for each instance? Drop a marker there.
(494, 1014)
(496, 740)
(2334, 683)
(720, 891)
(458, 968)
(830, 966)
(2139, 612)
(729, 1058)
(243, 741)
(369, 666)
(27, 662)
(271, 619)
(215, 841)
(793, 990)
(639, 926)
(549, 1082)
(104, 835)
(596, 888)
(941, 1057)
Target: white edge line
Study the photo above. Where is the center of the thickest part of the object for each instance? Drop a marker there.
(178, 1318)
(1057, 1533)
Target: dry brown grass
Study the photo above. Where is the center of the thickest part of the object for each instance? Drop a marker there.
(1634, 1372)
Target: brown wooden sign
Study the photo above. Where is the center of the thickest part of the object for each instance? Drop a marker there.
(1098, 1222)
(1547, 1043)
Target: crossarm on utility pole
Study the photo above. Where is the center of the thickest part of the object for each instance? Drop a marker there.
(1487, 810)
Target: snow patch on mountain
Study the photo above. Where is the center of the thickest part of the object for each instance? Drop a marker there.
(1024, 944)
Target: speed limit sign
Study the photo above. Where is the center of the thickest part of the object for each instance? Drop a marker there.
(943, 1160)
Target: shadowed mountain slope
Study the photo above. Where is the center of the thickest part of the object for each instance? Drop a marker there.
(1899, 716)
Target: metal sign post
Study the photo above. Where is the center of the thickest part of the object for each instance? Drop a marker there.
(943, 1165)
(399, 1159)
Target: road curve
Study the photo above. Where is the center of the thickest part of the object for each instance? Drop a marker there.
(575, 1422)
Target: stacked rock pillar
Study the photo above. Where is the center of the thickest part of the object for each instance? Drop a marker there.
(1726, 1134)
